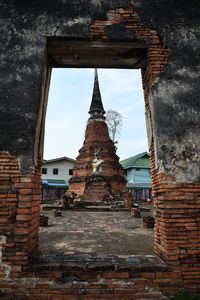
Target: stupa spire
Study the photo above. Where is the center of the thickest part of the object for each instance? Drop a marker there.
(96, 107)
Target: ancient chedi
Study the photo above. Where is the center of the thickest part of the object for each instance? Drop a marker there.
(97, 174)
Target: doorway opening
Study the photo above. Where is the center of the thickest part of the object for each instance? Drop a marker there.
(95, 230)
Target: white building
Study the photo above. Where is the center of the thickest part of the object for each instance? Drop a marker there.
(57, 172)
(58, 168)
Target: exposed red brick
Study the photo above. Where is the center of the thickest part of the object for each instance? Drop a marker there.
(176, 240)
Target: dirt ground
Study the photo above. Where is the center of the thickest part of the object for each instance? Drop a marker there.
(95, 232)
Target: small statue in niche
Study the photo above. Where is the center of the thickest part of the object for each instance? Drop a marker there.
(97, 163)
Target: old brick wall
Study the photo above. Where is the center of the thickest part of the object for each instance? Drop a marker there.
(93, 277)
(19, 214)
(171, 92)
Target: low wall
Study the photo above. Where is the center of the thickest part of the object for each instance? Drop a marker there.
(74, 277)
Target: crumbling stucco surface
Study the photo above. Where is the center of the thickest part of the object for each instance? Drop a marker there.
(174, 98)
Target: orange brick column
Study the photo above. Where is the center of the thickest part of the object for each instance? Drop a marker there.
(19, 214)
(177, 238)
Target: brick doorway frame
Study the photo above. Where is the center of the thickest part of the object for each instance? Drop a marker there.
(26, 188)
(21, 192)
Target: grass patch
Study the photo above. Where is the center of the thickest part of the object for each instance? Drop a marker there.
(187, 296)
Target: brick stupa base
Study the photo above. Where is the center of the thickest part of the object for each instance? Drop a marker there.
(100, 188)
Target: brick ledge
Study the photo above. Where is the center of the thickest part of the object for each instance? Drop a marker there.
(93, 262)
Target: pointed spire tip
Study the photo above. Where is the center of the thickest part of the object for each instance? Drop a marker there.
(96, 106)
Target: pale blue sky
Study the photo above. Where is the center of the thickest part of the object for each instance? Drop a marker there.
(69, 101)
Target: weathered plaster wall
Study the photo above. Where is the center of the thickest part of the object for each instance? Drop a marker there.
(172, 103)
(174, 98)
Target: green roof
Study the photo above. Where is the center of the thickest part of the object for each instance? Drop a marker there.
(140, 160)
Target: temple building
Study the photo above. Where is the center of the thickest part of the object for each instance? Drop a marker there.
(137, 173)
(98, 175)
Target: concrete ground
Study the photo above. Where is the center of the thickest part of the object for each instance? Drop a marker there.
(95, 232)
